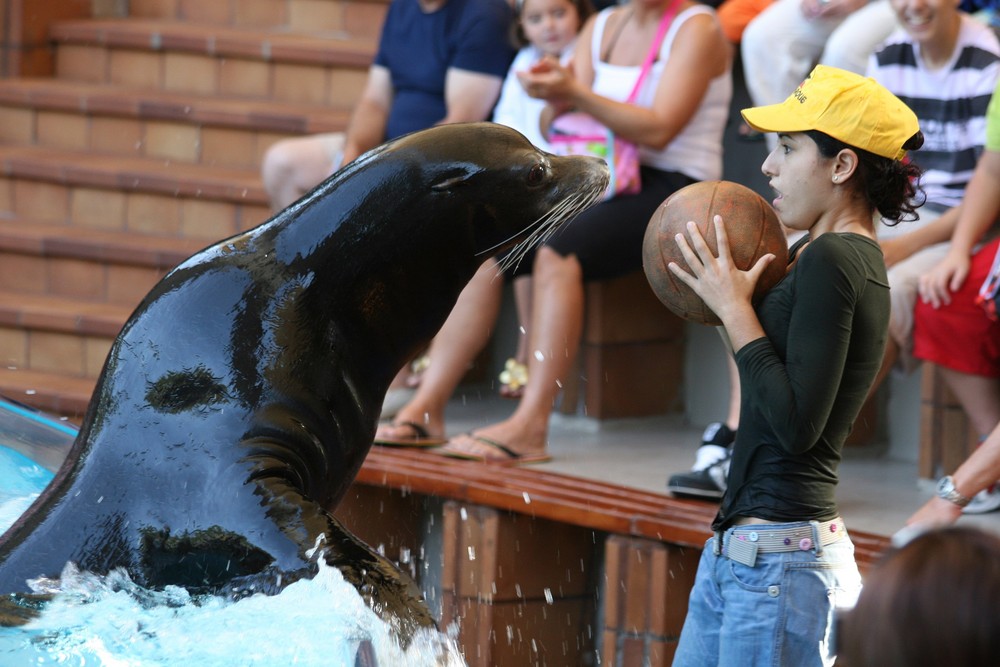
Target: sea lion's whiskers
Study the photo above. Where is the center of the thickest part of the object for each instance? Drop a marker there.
(540, 230)
(547, 225)
(536, 233)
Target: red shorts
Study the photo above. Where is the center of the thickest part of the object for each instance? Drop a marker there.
(960, 335)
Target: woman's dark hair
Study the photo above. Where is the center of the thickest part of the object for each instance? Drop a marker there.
(892, 187)
(584, 8)
(932, 602)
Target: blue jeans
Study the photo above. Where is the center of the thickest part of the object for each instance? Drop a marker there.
(779, 612)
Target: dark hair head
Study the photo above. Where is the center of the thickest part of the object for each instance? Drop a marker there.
(892, 187)
(584, 8)
(935, 601)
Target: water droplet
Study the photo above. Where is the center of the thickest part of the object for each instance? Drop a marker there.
(527, 498)
(472, 553)
(548, 595)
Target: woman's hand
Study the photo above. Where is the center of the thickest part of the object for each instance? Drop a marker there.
(549, 80)
(946, 277)
(724, 288)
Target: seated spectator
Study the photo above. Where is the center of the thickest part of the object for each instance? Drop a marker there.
(944, 64)
(954, 331)
(678, 121)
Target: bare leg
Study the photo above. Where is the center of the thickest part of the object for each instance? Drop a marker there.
(292, 167)
(556, 325)
(979, 396)
(523, 289)
(466, 331)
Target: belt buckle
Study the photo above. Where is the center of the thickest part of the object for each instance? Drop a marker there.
(741, 551)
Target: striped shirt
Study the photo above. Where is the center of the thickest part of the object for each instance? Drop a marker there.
(950, 103)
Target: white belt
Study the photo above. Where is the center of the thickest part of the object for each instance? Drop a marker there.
(743, 543)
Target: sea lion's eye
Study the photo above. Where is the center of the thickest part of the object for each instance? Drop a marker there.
(537, 174)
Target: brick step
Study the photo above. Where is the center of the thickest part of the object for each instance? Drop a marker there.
(138, 122)
(352, 16)
(60, 395)
(89, 266)
(46, 334)
(142, 195)
(278, 64)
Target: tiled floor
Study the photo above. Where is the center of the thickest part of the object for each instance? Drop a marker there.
(876, 493)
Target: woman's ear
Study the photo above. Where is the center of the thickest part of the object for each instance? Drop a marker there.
(845, 163)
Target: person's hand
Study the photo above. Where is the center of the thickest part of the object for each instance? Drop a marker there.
(946, 277)
(824, 9)
(717, 280)
(935, 512)
(548, 80)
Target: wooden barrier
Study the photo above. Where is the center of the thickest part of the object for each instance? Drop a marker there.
(946, 436)
(536, 567)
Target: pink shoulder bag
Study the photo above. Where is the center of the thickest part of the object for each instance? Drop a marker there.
(579, 133)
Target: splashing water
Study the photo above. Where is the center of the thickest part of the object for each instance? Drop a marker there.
(109, 621)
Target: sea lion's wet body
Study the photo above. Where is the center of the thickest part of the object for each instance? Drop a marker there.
(241, 398)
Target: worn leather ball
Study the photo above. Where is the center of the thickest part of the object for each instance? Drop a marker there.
(751, 224)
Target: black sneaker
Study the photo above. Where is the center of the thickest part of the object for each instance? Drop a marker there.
(707, 479)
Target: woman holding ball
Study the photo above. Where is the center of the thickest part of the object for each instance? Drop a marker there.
(780, 561)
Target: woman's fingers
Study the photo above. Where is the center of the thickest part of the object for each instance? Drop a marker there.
(722, 240)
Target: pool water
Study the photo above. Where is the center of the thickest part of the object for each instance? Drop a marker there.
(21, 480)
(111, 622)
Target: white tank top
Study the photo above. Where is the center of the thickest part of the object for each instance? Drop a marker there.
(697, 150)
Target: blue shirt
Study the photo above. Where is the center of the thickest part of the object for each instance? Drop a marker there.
(419, 48)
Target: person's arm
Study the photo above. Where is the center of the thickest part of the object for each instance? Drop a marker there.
(980, 209)
(900, 247)
(366, 129)
(469, 96)
(978, 471)
(482, 58)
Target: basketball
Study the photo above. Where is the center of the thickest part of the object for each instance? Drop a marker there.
(751, 224)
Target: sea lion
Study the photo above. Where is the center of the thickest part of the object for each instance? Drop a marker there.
(241, 397)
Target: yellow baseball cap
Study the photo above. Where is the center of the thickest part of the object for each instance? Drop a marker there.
(847, 106)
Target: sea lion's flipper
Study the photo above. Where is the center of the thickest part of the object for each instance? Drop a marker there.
(393, 595)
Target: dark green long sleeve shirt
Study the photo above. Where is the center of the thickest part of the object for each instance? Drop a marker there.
(826, 326)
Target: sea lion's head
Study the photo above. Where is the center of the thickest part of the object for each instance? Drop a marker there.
(489, 175)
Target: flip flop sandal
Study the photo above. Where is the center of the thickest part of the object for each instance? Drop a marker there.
(420, 437)
(505, 455)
